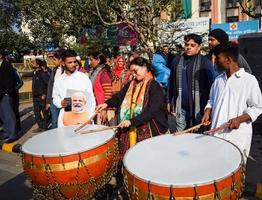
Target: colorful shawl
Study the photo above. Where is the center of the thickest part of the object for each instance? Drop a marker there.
(133, 104)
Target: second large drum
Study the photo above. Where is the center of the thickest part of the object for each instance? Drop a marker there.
(189, 166)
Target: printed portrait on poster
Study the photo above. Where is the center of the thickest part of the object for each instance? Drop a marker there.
(78, 110)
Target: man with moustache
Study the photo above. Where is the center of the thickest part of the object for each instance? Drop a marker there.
(189, 84)
(71, 79)
(80, 111)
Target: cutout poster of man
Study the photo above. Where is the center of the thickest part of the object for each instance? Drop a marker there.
(79, 110)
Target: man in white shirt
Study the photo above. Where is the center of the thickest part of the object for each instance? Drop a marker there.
(235, 99)
(71, 80)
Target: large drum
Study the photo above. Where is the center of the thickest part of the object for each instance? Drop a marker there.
(62, 164)
(189, 166)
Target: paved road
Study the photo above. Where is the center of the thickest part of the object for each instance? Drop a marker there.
(14, 185)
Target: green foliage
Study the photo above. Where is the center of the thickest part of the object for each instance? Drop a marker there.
(50, 20)
(14, 42)
(9, 14)
(10, 18)
(140, 15)
(94, 44)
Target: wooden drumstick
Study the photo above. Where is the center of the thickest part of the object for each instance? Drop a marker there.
(98, 130)
(191, 129)
(87, 122)
(212, 131)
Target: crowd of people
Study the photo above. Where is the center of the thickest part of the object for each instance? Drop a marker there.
(138, 96)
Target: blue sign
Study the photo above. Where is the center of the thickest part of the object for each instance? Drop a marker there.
(235, 29)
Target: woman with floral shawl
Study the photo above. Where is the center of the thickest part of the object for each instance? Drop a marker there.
(142, 112)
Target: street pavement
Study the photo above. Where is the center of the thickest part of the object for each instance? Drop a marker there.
(15, 186)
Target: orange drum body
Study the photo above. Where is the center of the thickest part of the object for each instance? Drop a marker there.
(65, 165)
(189, 166)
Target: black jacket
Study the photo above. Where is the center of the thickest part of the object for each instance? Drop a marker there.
(155, 112)
(7, 79)
(206, 78)
(51, 85)
(40, 83)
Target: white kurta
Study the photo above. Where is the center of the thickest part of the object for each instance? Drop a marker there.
(76, 81)
(230, 98)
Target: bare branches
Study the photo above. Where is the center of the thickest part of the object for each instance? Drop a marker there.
(102, 19)
(248, 8)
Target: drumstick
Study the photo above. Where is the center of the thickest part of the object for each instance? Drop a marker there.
(97, 130)
(212, 131)
(87, 122)
(190, 129)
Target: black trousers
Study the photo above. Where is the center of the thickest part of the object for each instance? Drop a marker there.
(40, 112)
(15, 97)
(8, 117)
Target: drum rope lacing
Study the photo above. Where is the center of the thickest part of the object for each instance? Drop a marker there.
(196, 197)
(134, 189)
(217, 195)
(149, 195)
(217, 192)
(53, 190)
(233, 185)
(171, 197)
(243, 177)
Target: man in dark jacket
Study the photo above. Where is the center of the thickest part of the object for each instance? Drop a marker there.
(7, 89)
(39, 90)
(190, 82)
(216, 37)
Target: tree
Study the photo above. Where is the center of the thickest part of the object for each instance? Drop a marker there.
(140, 15)
(9, 15)
(249, 8)
(11, 40)
(14, 42)
(54, 20)
(51, 20)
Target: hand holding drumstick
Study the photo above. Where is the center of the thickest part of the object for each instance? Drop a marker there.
(98, 110)
(123, 124)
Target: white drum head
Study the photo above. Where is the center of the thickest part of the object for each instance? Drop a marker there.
(64, 141)
(182, 160)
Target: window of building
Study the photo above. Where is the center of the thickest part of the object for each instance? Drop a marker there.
(232, 19)
(205, 5)
(232, 3)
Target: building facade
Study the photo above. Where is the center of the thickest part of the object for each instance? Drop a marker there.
(221, 11)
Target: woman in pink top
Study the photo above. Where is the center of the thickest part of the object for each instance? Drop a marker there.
(101, 79)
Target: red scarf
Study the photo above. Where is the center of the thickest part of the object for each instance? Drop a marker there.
(119, 68)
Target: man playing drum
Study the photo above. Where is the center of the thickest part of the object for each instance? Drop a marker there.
(235, 99)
